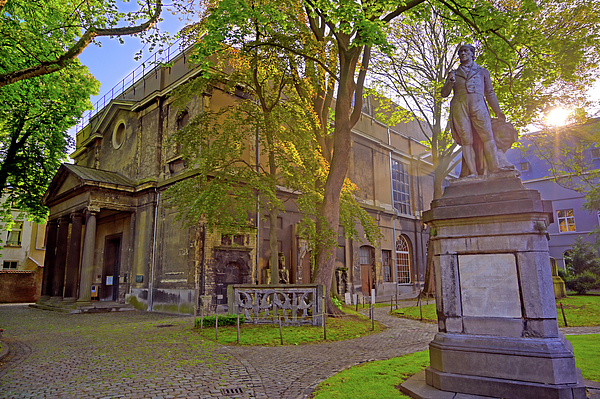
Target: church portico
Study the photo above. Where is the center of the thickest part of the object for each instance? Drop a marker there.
(86, 207)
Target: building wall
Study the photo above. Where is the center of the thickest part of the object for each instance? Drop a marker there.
(19, 286)
(166, 264)
(535, 174)
(23, 283)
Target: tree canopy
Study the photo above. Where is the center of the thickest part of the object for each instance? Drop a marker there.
(38, 37)
(271, 114)
(524, 43)
(35, 115)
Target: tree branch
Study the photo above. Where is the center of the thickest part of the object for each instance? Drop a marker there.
(59, 63)
(402, 9)
(291, 50)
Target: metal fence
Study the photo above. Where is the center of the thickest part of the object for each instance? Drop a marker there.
(149, 65)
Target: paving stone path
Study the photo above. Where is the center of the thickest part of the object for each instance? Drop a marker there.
(152, 355)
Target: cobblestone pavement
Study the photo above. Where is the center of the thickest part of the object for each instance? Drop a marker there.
(153, 355)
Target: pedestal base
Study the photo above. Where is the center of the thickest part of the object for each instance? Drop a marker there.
(418, 387)
(498, 333)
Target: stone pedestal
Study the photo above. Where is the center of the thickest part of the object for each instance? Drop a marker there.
(498, 333)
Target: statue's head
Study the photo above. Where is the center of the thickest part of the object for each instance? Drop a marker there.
(469, 47)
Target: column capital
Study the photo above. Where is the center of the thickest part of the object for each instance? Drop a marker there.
(77, 214)
(93, 209)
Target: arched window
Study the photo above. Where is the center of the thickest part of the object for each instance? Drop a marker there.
(402, 260)
(182, 119)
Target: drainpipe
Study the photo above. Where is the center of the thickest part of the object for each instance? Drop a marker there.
(394, 217)
(203, 284)
(395, 274)
(151, 285)
(256, 266)
(416, 222)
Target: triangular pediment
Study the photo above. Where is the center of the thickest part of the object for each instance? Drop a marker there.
(69, 183)
(73, 178)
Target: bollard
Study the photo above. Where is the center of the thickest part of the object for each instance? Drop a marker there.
(421, 307)
(391, 303)
(280, 331)
(202, 319)
(217, 326)
(563, 313)
(396, 301)
(238, 328)
(372, 318)
(324, 327)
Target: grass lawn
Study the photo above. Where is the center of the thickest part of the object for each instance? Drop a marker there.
(580, 310)
(352, 325)
(373, 380)
(587, 354)
(413, 312)
(379, 379)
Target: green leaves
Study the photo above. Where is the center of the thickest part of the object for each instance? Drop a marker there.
(35, 115)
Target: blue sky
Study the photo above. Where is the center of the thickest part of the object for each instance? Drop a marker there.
(112, 61)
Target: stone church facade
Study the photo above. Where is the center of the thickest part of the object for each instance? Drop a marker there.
(111, 238)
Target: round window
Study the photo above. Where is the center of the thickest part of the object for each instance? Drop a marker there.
(118, 135)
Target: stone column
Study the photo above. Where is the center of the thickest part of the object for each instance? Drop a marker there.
(87, 257)
(73, 257)
(49, 260)
(60, 260)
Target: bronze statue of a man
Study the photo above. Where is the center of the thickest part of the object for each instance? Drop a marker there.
(470, 117)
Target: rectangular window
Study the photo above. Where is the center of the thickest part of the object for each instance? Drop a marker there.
(386, 260)
(524, 166)
(595, 153)
(228, 240)
(238, 239)
(400, 188)
(14, 235)
(10, 264)
(225, 240)
(566, 220)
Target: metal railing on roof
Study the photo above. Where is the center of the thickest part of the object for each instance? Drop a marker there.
(149, 65)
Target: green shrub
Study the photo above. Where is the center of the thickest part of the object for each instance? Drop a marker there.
(336, 302)
(582, 257)
(583, 282)
(224, 320)
(564, 274)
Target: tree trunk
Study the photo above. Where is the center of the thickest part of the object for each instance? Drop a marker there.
(329, 211)
(429, 285)
(274, 259)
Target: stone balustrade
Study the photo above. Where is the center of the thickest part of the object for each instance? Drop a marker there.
(295, 303)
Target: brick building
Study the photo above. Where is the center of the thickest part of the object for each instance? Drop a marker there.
(22, 253)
